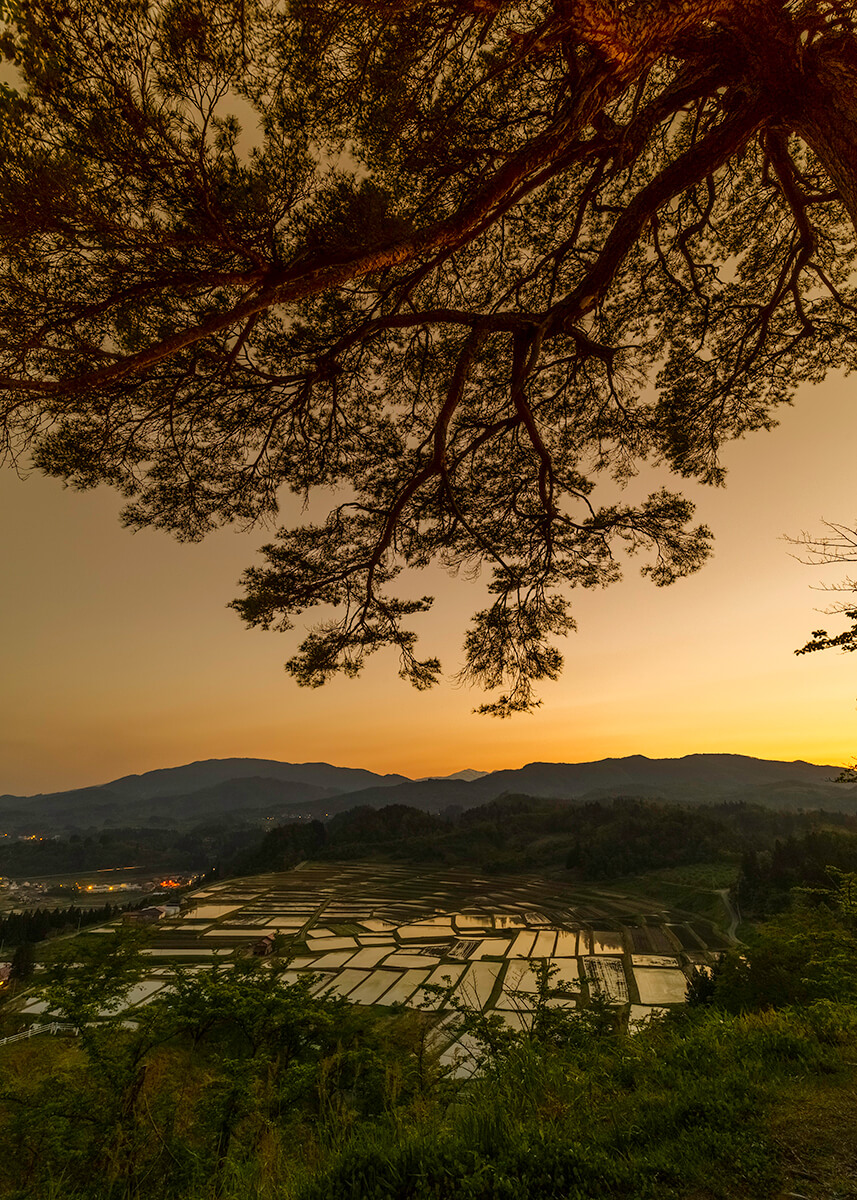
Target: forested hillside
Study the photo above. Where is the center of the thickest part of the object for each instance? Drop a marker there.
(598, 840)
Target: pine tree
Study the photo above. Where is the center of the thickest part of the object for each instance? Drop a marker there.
(470, 236)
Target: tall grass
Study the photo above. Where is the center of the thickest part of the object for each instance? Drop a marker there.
(245, 1091)
(677, 1110)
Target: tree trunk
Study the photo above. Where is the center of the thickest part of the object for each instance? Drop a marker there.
(811, 69)
(826, 118)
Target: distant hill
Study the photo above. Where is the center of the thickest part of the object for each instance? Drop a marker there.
(254, 796)
(716, 772)
(262, 788)
(187, 793)
(431, 795)
(177, 781)
(468, 775)
(694, 779)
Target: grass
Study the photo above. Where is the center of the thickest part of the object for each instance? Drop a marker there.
(689, 891)
(37, 1058)
(694, 1113)
(710, 876)
(812, 1130)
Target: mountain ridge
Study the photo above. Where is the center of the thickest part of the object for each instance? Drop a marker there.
(266, 789)
(216, 770)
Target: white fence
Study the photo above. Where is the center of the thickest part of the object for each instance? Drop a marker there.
(35, 1030)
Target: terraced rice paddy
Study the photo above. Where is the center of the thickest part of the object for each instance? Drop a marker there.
(659, 986)
(379, 934)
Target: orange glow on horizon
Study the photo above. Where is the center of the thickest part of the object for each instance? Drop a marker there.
(125, 658)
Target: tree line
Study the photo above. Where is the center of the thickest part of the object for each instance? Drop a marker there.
(162, 849)
(34, 925)
(768, 877)
(597, 840)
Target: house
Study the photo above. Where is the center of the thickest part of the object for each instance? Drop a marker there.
(264, 946)
(144, 916)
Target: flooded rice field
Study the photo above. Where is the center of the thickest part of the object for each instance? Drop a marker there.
(380, 935)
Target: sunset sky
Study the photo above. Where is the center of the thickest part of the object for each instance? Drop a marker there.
(119, 654)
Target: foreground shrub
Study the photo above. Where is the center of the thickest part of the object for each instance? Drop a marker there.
(235, 1084)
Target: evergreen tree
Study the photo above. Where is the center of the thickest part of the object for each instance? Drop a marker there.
(23, 962)
(468, 237)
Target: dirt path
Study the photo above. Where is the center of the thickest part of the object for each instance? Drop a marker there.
(734, 916)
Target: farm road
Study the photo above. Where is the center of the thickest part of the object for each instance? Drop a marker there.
(734, 916)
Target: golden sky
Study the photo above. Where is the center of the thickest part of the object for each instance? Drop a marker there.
(120, 656)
